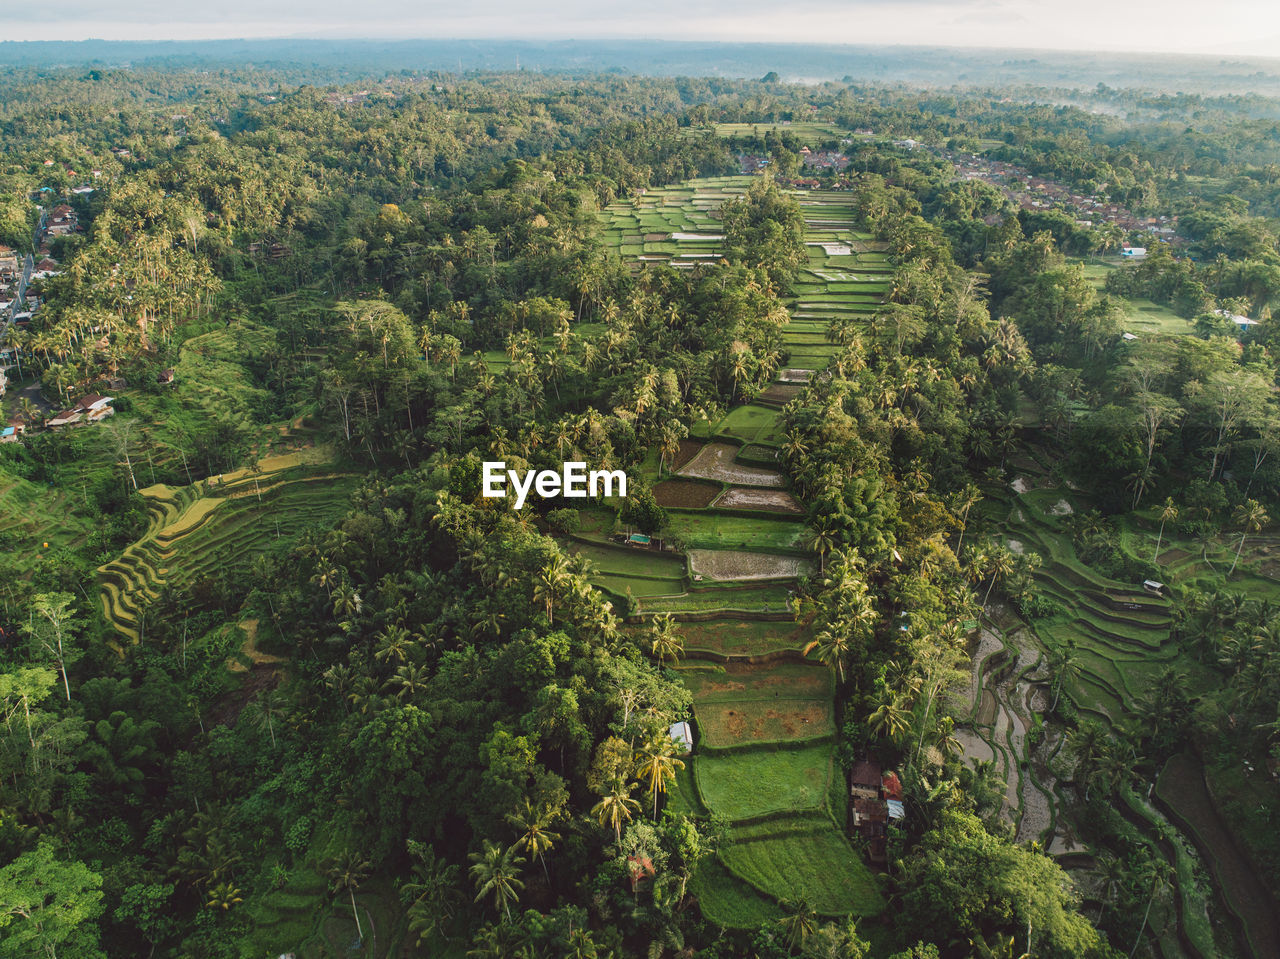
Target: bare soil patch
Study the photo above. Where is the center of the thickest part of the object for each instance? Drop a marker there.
(727, 724)
(780, 393)
(688, 450)
(728, 564)
(686, 493)
(774, 501)
(715, 461)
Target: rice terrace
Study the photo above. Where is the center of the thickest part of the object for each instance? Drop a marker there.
(628, 499)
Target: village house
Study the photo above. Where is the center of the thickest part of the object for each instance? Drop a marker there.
(88, 409)
(62, 221)
(877, 800)
(12, 431)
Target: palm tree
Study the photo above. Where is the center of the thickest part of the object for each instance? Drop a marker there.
(270, 707)
(964, 501)
(615, 808)
(1065, 665)
(496, 871)
(1161, 879)
(1001, 565)
(394, 644)
(551, 580)
(832, 645)
(667, 643)
(1250, 517)
(1168, 513)
(535, 838)
(822, 539)
(891, 718)
(658, 764)
(800, 922)
(347, 872)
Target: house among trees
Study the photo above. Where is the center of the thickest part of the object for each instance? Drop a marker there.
(877, 799)
(13, 430)
(88, 409)
(683, 735)
(62, 221)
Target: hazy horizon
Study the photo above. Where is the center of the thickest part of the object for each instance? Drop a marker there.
(1235, 27)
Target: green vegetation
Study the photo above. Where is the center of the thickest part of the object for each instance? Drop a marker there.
(284, 679)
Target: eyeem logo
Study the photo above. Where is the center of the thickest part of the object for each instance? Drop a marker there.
(572, 481)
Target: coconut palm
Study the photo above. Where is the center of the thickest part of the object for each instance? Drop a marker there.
(1000, 565)
(890, 718)
(1168, 513)
(800, 922)
(496, 872)
(614, 808)
(1250, 517)
(535, 838)
(822, 539)
(667, 643)
(657, 763)
(1161, 877)
(1064, 665)
(347, 872)
(269, 708)
(394, 644)
(832, 644)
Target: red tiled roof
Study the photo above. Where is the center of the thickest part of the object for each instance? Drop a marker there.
(892, 786)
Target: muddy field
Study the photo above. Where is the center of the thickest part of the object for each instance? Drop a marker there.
(729, 724)
(688, 450)
(771, 500)
(729, 564)
(780, 393)
(685, 493)
(715, 461)
(794, 376)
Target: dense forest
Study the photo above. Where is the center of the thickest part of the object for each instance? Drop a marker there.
(276, 676)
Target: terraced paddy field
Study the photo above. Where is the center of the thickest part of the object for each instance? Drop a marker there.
(739, 704)
(746, 785)
(217, 527)
(32, 515)
(711, 530)
(678, 224)
(739, 565)
(718, 462)
(689, 494)
(1123, 644)
(753, 423)
(763, 714)
(767, 500)
(770, 599)
(742, 637)
(810, 134)
(804, 858)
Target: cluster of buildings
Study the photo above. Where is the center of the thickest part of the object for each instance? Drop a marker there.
(876, 801)
(1031, 193)
(88, 409)
(823, 159)
(60, 221)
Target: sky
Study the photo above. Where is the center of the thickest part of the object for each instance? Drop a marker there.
(1181, 26)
